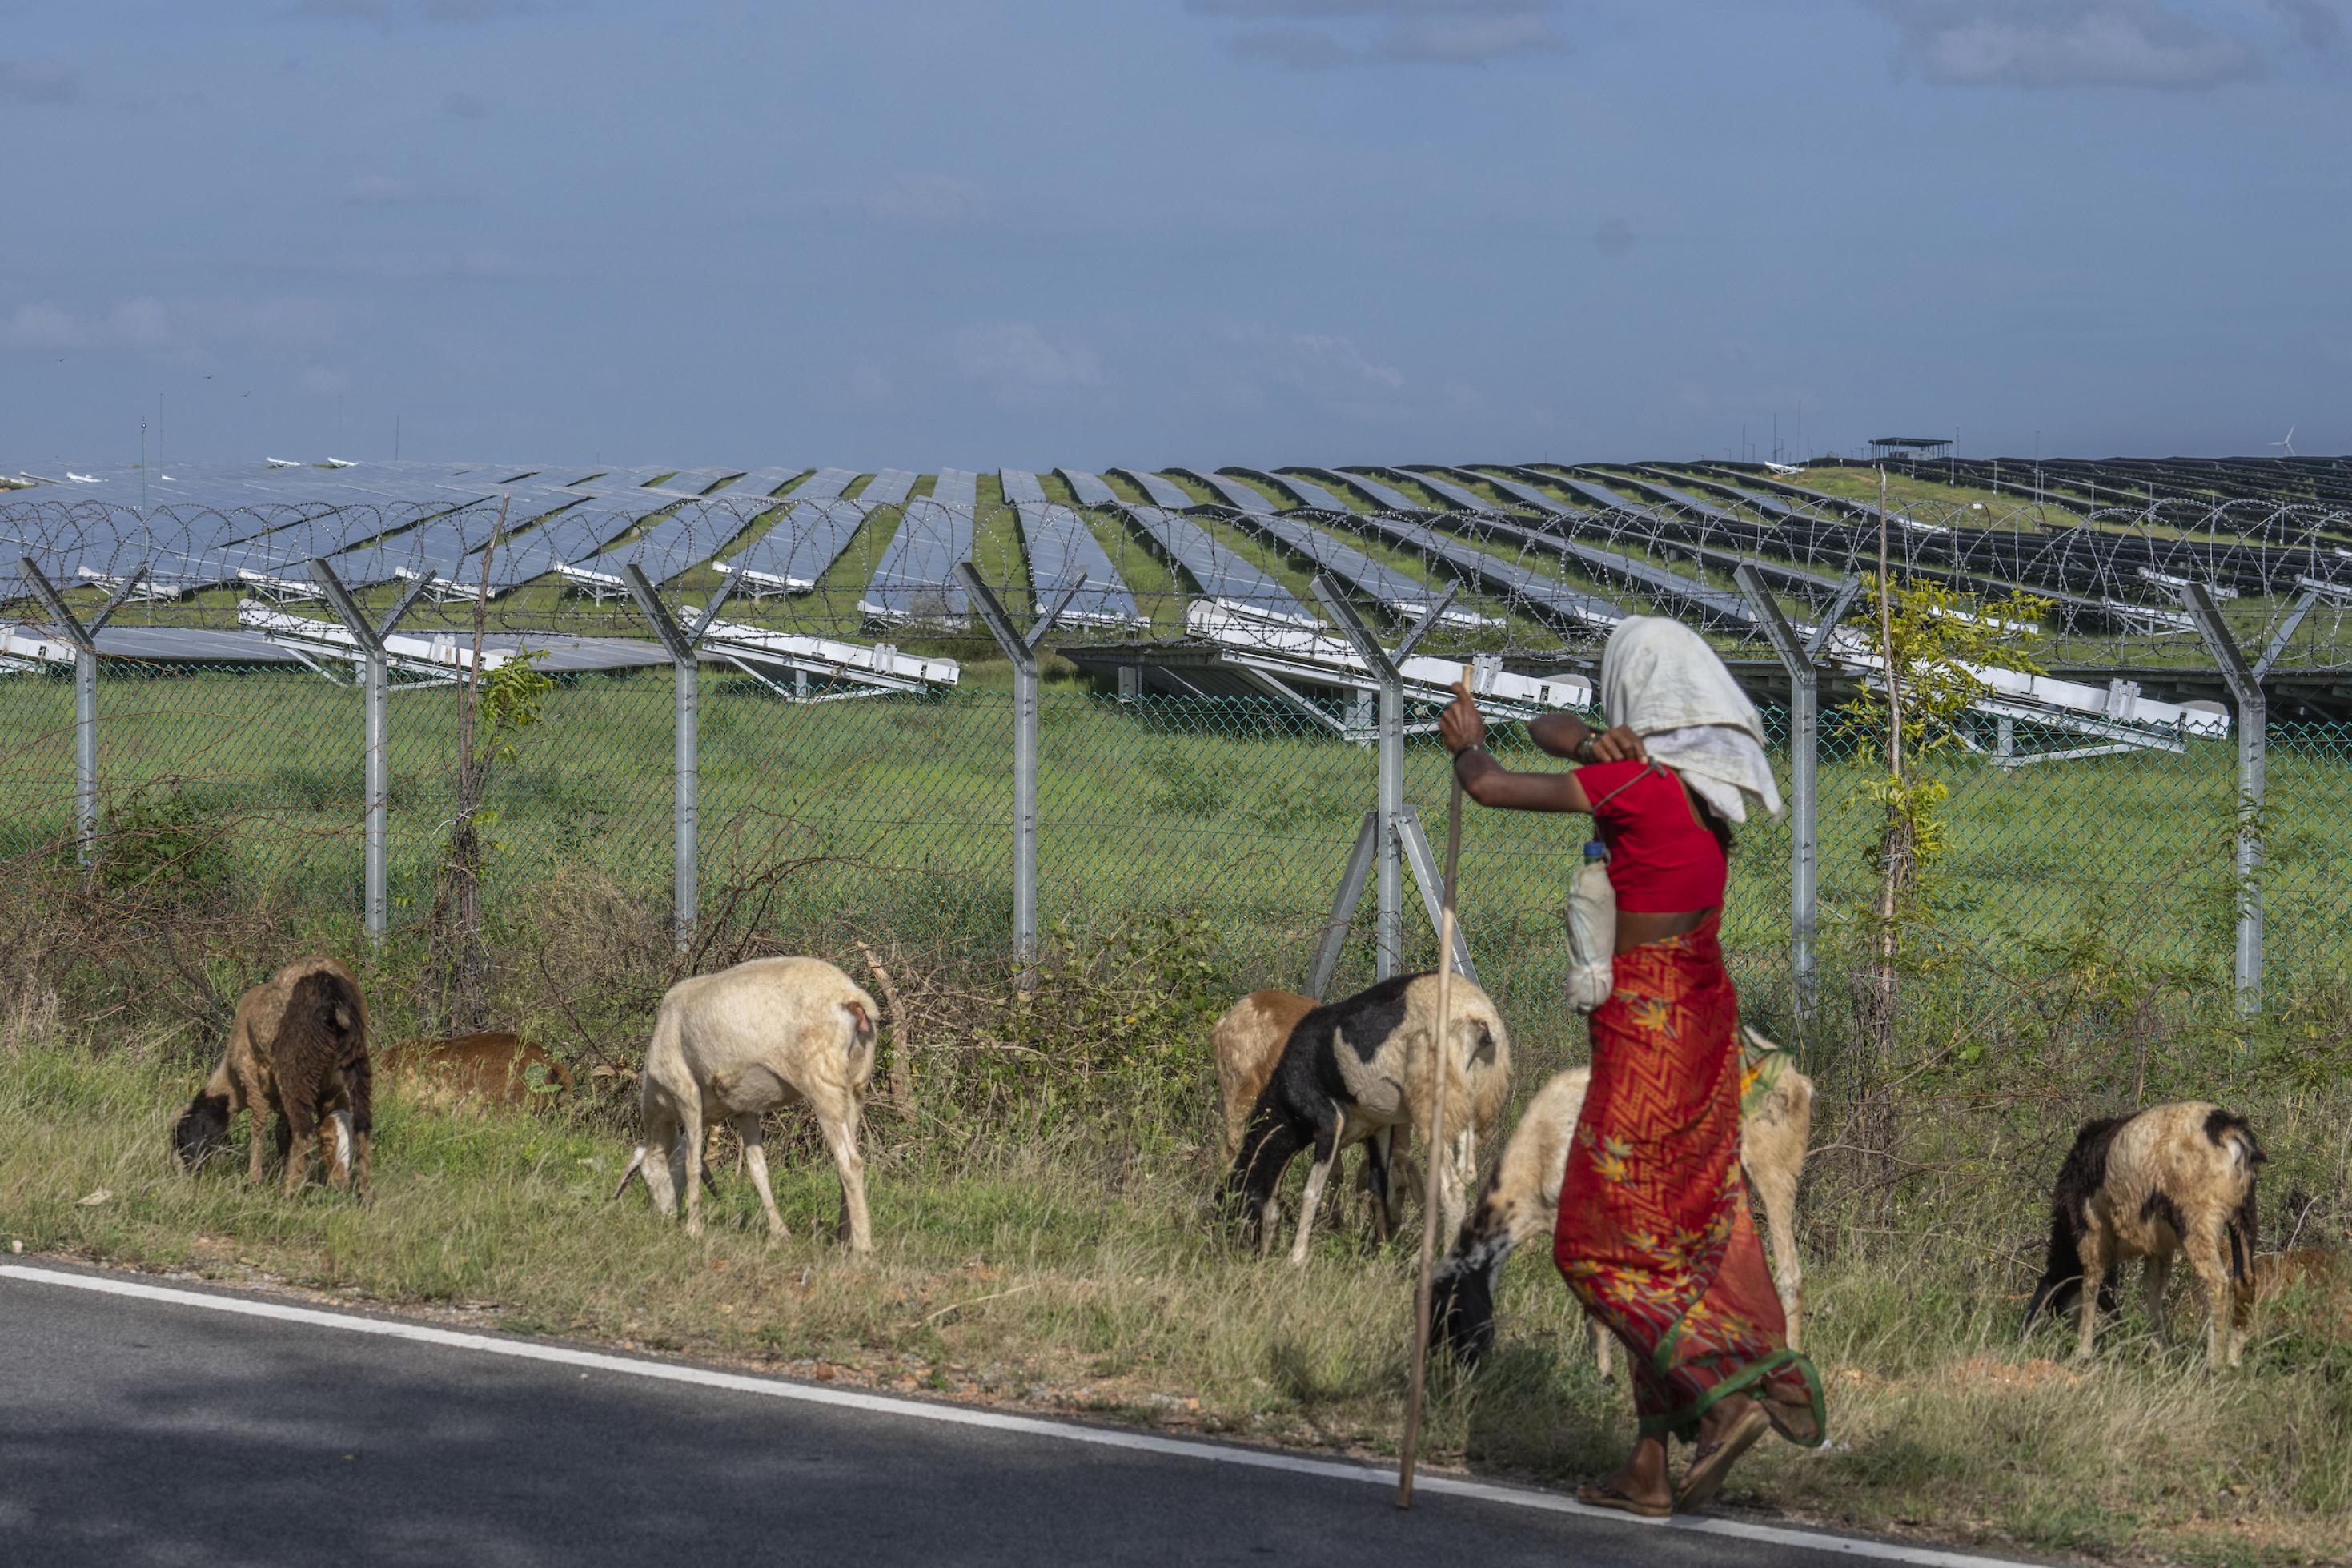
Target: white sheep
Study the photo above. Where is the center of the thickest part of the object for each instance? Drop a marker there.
(731, 1046)
(1359, 1068)
(2174, 1178)
(1521, 1198)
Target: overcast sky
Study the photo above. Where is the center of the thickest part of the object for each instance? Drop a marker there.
(1100, 232)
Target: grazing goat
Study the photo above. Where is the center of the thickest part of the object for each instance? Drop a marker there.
(498, 1069)
(756, 1038)
(2176, 1179)
(297, 1046)
(1247, 1042)
(1359, 1068)
(1521, 1198)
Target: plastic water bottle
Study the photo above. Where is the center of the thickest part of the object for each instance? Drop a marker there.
(1591, 931)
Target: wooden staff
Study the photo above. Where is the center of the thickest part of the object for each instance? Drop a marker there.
(1434, 1152)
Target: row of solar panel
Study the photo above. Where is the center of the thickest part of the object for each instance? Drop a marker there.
(570, 527)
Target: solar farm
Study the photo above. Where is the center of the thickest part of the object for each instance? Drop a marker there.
(1190, 629)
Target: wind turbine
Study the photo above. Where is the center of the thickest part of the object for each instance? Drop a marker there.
(2288, 443)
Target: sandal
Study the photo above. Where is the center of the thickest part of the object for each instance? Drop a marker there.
(1714, 1461)
(1601, 1494)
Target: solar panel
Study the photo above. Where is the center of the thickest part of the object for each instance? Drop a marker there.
(758, 484)
(1060, 546)
(1403, 595)
(1305, 492)
(915, 581)
(824, 484)
(1452, 494)
(1163, 492)
(1241, 497)
(1514, 580)
(1215, 571)
(1386, 497)
(803, 543)
(887, 488)
(956, 489)
(1089, 488)
(1527, 494)
(697, 481)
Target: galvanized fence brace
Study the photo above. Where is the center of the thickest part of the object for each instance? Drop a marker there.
(376, 676)
(83, 636)
(686, 792)
(1022, 649)
(1800, 656)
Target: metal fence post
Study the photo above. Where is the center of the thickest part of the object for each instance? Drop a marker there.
(1801, 658)
(1022, 649)
(686, 788)
(376, 676)
(1387, 939)
(83, 636)
(2245, 683)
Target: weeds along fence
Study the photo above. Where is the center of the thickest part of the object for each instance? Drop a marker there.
(2150, 756)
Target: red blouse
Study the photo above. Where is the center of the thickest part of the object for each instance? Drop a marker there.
(1661, 858)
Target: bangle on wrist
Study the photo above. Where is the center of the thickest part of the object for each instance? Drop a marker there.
(1582, 751)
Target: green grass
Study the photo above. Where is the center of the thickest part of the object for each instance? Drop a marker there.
(1231, 808)
(1081, 1269)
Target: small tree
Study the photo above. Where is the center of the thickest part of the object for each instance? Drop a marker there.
(1933, 643)
(493, 709)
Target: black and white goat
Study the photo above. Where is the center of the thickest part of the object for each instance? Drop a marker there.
(1359, 1068)
(2173, 1179)
(1521, 1198)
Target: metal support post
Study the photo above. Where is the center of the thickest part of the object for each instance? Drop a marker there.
(1800, 658)
(1388, 940)
(376, 675)
(2245, 683)
(1022, 649)
(83, 636)
(686, 789)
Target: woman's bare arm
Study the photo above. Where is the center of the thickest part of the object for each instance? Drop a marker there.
(1463, 729)
(1490, 783)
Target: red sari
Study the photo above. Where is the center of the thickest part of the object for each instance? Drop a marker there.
(1655, 1235)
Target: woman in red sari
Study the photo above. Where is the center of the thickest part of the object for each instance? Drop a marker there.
(1654, 1236)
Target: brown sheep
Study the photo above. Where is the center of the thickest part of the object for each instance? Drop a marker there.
(2172, 1180)
(297, 1046)
(1521, 1197)
(1359, 1068)
(731, 1046)
(494, 1068)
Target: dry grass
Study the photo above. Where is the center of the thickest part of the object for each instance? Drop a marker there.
(1057, 1268)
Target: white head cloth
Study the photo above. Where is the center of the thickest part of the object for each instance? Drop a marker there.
(1659, 678)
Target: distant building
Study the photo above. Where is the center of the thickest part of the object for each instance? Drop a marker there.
(1913, 448)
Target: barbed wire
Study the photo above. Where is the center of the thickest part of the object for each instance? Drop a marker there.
(1528, 582)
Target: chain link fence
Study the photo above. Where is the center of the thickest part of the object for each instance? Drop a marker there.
(840, 772)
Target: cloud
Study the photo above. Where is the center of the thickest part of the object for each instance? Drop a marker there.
(2066, 43)
(926, 200)
(38, 81)
(147, 323)
(1315, 360)
(1318, 35)
(2317, 23)
(1021, 362)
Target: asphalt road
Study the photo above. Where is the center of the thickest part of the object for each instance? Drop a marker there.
(136, 1432)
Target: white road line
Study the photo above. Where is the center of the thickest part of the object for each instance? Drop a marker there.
(992, 1420)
